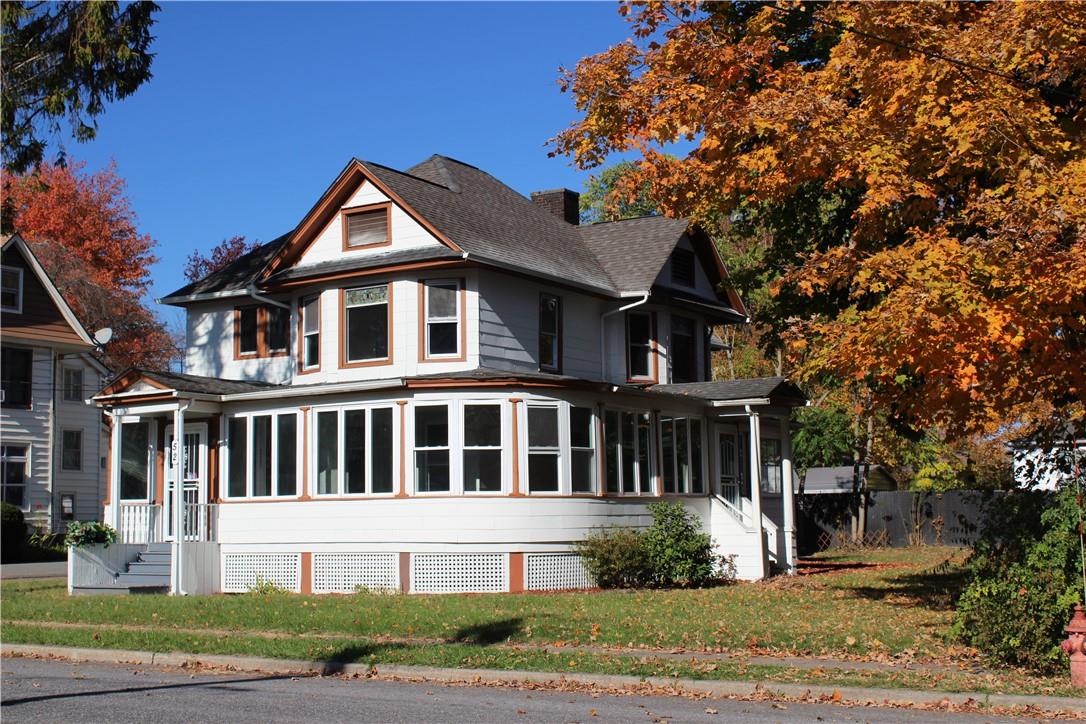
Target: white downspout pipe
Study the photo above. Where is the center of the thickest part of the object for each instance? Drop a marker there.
(252, 292)
(603, 331)
(789, 496)
(756, 481)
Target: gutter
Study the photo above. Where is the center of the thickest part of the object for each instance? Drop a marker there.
(560, 281)
(251, 291)
(603, 330)
(205, 297)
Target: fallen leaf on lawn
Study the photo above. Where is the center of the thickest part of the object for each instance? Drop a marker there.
(836, 696)
(593, 712)
(712, 711)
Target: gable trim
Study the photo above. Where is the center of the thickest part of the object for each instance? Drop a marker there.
(710, 258)
(330, 203)
(128, 378)
(50, 288)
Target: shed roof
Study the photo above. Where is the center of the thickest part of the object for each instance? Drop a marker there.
(778, 389)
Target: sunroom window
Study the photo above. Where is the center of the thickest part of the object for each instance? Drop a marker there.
(771, 466)
(582, 449)
(482, 447)
(354, 451)
(544, 452)
(432, 448)
(262, 453)
(135, 456)
(627, 443)
(367, 330)
(681, 463)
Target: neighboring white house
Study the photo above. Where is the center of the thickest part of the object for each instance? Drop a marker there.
(52, 443)
(436, 384)
(1049, 468)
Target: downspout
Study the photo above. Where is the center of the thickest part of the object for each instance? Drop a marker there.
(603, 331)
(252, 292)
(54, 444)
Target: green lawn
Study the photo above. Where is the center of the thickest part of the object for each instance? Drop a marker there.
(879, 605)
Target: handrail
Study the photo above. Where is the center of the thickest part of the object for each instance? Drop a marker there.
(744, 519)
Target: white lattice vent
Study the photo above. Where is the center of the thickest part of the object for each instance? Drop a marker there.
(242, 572)
(459, 572)
(346, 572)
(556, 572)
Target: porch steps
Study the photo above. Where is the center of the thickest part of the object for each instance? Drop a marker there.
(150, 571)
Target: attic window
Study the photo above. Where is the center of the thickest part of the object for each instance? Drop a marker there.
(682, 267)
(366, 226)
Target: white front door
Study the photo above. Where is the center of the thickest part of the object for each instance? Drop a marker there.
(187, 461)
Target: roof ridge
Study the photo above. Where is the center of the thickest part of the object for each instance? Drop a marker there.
(634, 218)
(405, 173)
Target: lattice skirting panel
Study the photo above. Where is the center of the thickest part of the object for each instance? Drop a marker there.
(555, 572)
(459, 572)
(346, 572)
(242, 572)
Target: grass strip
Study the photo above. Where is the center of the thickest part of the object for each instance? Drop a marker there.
(462, 655)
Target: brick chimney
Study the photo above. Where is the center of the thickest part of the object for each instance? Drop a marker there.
(563, 203)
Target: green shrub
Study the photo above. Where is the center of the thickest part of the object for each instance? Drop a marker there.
(1024, 577)
(12, 532)
(264, 587)
(88, 533)
(615, 558)
(673, 551)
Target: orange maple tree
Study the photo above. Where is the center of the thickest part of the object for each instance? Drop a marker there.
(951, 135)
(83, 230)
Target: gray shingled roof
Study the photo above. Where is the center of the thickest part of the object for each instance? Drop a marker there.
(235, 276)
(205, 385)
(495, 225)
(362, 263)
(633, 251)
(728, 390)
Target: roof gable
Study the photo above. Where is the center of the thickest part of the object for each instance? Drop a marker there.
(46, 315)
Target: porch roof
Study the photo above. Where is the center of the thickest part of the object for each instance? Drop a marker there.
(755, 390)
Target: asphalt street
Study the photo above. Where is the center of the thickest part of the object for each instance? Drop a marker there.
(33, 690)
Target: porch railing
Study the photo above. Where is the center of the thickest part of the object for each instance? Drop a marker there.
(146, 523)
(140, 523)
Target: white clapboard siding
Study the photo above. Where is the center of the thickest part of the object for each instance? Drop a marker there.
(32, 428)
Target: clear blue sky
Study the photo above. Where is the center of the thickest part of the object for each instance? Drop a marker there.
(255, 107)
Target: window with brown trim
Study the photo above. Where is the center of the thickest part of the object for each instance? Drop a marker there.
(550, 333)
(639, 346)
(261, 330)
(366, 329)
(367, 226)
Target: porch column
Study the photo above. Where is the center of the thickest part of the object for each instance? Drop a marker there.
(177, 453)
(789, 496)
(755, 458)
(113, 515)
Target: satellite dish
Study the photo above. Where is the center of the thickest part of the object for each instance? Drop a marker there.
(103, 335)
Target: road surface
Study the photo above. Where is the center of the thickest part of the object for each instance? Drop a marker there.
(33, 690)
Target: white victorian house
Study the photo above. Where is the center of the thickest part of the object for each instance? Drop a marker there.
(435, 384)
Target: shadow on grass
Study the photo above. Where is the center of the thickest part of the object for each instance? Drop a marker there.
(813, 566)
(337, 662)
(936, 589)
(487, 634)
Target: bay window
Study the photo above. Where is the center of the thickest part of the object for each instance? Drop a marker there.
(441, 303)
(310, 310)
(367, 325)
(482, 468)
(432, 449)
(262, 455)
(544, 452)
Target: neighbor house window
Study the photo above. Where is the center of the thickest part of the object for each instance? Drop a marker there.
(73, 384)
(442, 314)
(683, 353)
(681, 464)
(310, 310)
(582, 449)
(261, 330)
(135, 459)
(263, 455)
(366, 327)
(771, 466)
(682, 268)
(366, 226)
(15, 376)
(432, 448)
(13, 460)
(627, 443)
(482, 447)
(11, 289)
(639, 345)
(550, 333)
(544, 452)
(71, 450)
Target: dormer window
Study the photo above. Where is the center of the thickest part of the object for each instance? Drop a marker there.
(261, 330)
(682, 268)
(11, 289)
(367, 226)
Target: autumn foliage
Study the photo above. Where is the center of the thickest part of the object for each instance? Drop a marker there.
(938, 147)
(199, 265)
(83, 230)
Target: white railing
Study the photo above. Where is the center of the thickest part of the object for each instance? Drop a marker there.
(140, 523)
(201, 521)
(743, 517)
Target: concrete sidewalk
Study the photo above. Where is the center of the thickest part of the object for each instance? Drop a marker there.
(53, 569)
(740, 689)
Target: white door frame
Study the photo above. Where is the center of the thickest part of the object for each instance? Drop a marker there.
(201, 483)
